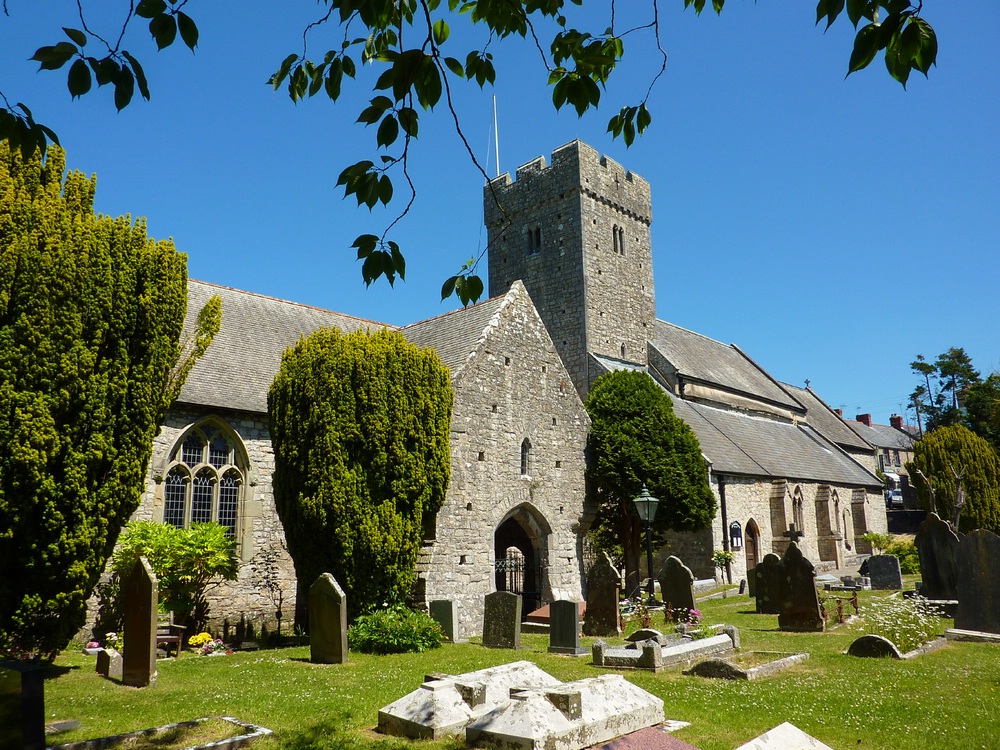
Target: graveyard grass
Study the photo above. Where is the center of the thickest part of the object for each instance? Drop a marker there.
(938, 701)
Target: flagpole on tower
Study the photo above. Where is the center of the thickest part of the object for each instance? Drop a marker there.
(496, 135)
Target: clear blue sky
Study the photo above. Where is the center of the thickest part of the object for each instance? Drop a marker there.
(831, 228)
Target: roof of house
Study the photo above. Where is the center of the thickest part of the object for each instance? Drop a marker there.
(736, 442)
(883, 435)
(827, 421)
(239, 367)
(724, 366)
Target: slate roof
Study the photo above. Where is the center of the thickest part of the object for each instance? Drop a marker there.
(699, 358)
(239, 367)
(825, 419)
(456, 334)
(883, 435)
(736, 442)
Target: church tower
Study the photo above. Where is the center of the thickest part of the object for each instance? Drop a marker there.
(576, 232)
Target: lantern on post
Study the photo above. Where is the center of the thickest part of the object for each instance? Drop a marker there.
(645, 506)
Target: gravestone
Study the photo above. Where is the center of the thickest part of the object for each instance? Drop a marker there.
(502, 620)
(445, 613)
(677, 584)
(937, 548)
(327, 621)
(884, 573)
(979, 582)
(22, 705)
(140, 594)
(602, 617)
(874, 647)
(564, 628)
(769, 583)
(800, 611)
(109, 664)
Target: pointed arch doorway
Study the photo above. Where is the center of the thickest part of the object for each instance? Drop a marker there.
(521, 556)
(751, 544)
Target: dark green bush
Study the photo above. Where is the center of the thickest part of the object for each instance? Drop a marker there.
(394, 630)
(906, 551)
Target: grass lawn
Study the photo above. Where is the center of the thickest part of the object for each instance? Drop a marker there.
(940, 701)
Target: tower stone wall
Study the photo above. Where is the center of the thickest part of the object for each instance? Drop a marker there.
(576, 232)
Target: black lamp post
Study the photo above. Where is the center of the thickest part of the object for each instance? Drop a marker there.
(645, 506)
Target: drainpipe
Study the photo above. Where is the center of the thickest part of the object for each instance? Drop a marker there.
(725, 524)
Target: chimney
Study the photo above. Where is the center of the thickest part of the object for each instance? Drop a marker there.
(865, 419)
(896, 421)
(840, 413)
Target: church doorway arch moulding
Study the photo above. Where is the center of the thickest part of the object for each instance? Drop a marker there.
(520, 544)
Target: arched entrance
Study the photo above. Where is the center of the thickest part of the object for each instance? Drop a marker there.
(751, 544)
(521, 556)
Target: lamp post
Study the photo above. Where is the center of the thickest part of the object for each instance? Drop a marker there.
(645, 506)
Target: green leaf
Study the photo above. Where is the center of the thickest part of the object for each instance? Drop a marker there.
(441, 31)
(409, 121)
(164, 30)
(78, 37)
(140, 75)
(55, 56)
(286, 65)
(448, 288)
(856, 11)
(78, 80)
(865, 48)
(387, 133)
(365, 244)
(927, 54)
(188, 29)
(297, 83)
(124, 88)
(398, 261)
(150, 8)
(105, 71)
(454, 66)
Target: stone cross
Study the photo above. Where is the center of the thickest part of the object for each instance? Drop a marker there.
(327, 621)
(140, 591)
(793, 534)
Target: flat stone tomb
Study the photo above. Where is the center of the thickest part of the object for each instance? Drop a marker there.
(784, 737)
(654, 655)
(568, 717)
(444, 704)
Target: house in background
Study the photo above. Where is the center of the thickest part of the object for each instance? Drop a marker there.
(894, 445)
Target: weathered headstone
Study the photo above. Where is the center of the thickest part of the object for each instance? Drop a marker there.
(884, 573)
(564, 628)
(140, 594)
(502, 620)
(109, 664)
(22, 705)
(677, 584)
(874, 647)
(979, 582)
(937, 548)
(800, 609)
(445, 613)
(327, 621)
(602, 617)
(769, 583)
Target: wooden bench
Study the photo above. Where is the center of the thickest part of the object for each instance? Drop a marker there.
(165, 636)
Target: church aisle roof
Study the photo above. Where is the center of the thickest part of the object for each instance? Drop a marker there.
(736, 442)
(239, 367)
(824, 419)
(699, 358)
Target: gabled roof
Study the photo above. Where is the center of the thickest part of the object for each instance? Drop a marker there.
(736, 442)
(455, 335)
(883, 435)
(700, 359)
(239, 367)
(826, 420)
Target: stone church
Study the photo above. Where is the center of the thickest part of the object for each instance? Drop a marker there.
(571, 297)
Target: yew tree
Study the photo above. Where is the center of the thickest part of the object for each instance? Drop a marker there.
(91, 311)
(360, 426)
(635, 440)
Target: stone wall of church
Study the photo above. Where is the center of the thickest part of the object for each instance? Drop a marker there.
(514, 389)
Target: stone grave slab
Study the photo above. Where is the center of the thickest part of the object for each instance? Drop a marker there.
(567, 717)
(603, 618)
(979, 582)
(502, 620)
(677, 584)
(800, 610)
(444, 704)
(22, 705)
(140, 592)
(651, 655)
(445, 613)
(784, 737)
(327, 621)
(651, 738)
(937, 548)
(884, 573)
(769, 584)
(564, 628)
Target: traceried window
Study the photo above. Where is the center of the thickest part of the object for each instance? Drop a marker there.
(205, 480)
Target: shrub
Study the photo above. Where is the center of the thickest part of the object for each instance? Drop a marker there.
(394, 630)
(908, 623)
(906, 551)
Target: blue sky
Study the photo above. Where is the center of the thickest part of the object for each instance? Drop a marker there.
(831, 228)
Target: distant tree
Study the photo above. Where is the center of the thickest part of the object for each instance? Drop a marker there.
(360, 425)
(635, 440)
(406, 53)
(956, 462)
(982, 409)
(939, 398)
(90, 316)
